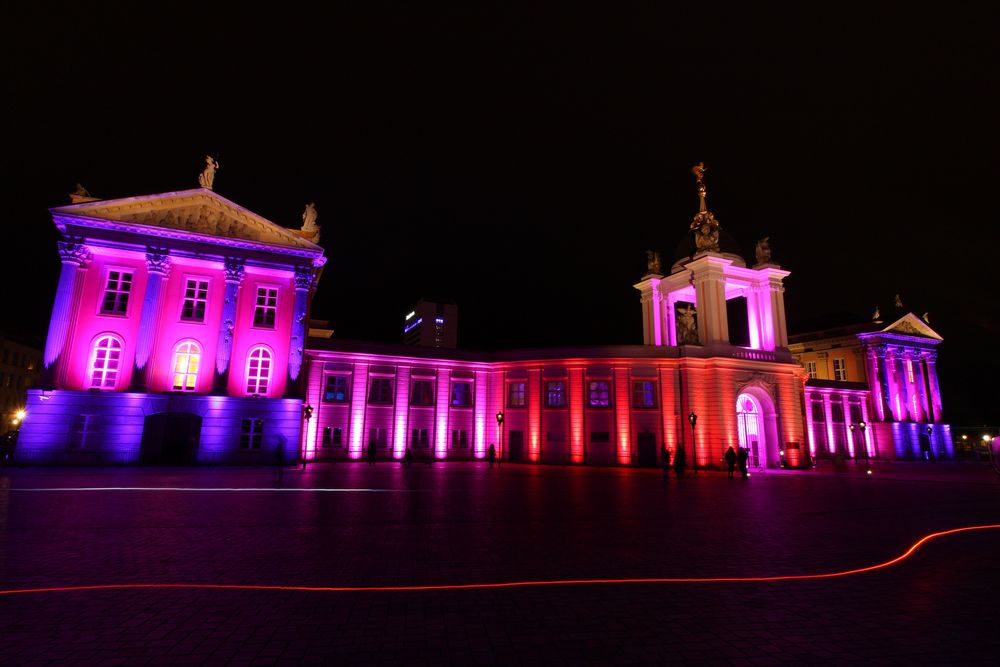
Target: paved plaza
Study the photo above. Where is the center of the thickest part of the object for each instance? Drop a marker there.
(355, 525)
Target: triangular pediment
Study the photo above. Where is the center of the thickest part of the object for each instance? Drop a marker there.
(911, 325)
(199, 211)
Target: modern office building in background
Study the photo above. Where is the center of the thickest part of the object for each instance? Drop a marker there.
(432, 323)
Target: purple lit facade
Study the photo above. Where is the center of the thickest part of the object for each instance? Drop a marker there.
(883, 375)
(177, 334)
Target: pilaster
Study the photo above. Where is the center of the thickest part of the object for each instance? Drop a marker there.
(235, 273)
(158, 266)
(75, 257)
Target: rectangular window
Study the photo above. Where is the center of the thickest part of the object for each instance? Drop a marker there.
(461, 395)
(337, 389)
(460, 438)
(855, 413)
(195, 300)
(419, 437)
(600, 436)
(266, 307)
(818, 412)
(909, 370)
(840, 369)
(599, 394)
(251, 433)
(644, 394)
(837, 412)
(811, 369)
(116, 292)
(380, 391)
(82, 432)
(555, 394)
(555, 436)
(327, 435)
(422, 392)
(515, 395)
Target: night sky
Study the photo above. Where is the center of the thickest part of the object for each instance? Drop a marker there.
(520, 161)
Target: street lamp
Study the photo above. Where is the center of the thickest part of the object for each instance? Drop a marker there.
(927, 454)
(500, 428)
(864, 445)
(693, 418)
(307, 413)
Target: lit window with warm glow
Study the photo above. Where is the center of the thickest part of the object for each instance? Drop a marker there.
(266, 307)
(840, 369)
(909, 370)
(811, 369)
(187, 360)
(258, 371)
(599, 394)
(116, 292)
(516, 395)
(195, 300)
(105, 362)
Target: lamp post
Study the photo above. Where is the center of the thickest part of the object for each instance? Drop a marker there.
(307, 413)
(864, 445)
(693, 418)
(930, 431)
(500, 428)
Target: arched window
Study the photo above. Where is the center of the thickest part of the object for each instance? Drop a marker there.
(258, 371)
(187, 360)
(105, 362)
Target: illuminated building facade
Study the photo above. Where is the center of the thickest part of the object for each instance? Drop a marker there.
(882, 374)
(177, 334)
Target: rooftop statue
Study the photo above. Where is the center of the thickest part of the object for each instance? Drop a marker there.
(309, 217)
(207, 177)
(704, 225)
(653, 264)
(877, 315)
(81, 191)
(899, 302)
(763, 251)
(927, 317)
(81, 195)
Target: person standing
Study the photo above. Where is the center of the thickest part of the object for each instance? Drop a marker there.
(731, 460)
(680, 460)
(741, 460)
(665, 463)
(492, 454)
(279, 461)
(371, 453)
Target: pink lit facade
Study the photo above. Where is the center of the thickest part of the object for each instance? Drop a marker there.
(600, 405)
(178, 318)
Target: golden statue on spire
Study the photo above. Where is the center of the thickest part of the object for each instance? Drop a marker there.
(704, 225)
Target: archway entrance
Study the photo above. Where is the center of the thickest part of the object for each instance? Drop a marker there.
(756, 422)
(170, 438)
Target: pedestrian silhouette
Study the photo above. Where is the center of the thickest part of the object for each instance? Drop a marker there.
(731, 460)
(492, 454)
(408, 457)
(680, 460)
(741, 460)
(371, 453)
(279, 460)
(665, 464)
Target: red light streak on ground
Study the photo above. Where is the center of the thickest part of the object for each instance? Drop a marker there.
(517, 584)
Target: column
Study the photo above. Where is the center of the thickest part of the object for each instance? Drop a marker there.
(847, 425)
(930, 360)
(920, 379)
(831, 443)
(157, 269)
(885, 409)
(754, 323)
(74, 256)
(305, 278)
(902, 398)
(710, 291)
(235, 272)
(646, 299)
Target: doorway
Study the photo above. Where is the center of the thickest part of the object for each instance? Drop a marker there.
(753, 424)
(515, 446)
(170, 438)
(647, 450)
